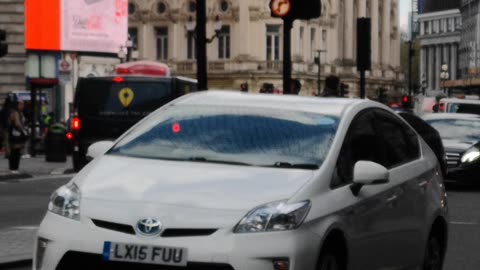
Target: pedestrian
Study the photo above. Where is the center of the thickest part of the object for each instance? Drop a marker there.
(17, 135)
(4, 116)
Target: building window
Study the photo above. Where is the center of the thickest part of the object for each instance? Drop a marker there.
(224, 43)
(324, 37)
(192, 6)
(313, 43)
(131, 8)
(273, 42)
(133, 35)
(191, 46)
(224, 6)
(161, 8)
(162, 43)
(300, 41)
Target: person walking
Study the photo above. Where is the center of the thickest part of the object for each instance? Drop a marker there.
(4, 128)
(17, 136)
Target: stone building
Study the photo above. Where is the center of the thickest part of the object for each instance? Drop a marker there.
(470, 38)
(249, 45)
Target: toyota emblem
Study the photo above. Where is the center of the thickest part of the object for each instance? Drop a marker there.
(149, 227)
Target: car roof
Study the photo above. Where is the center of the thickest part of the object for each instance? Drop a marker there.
(462, 101)
(328, 106)
(440, 116)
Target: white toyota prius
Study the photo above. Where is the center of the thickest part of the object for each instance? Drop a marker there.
(231, 181)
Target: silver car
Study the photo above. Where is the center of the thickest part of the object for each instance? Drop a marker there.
(231, 181)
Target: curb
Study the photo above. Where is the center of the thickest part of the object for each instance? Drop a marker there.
(8, 177)
(16, 264)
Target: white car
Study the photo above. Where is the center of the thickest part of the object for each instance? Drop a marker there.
(223, 181)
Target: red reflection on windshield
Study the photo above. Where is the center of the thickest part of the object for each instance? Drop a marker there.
(176, 128)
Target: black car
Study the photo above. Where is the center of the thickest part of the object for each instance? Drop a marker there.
(429, 134)
(106, 107)
(461, 138)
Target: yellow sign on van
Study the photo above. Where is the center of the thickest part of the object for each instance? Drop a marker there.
(126, 96)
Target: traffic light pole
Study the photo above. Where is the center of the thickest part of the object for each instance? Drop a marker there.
(362, 83)
(287, 55)
(201, 45)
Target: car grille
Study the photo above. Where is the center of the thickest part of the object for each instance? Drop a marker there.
(79, 260)
(123, 228)
(453, 159)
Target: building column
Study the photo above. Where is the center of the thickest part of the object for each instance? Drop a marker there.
(423, 64)
(386, 31)
(348, 31)
(431, 68)
(438, 65)
(453, 61)
(445, 58)
(375, 24)
(362, 8)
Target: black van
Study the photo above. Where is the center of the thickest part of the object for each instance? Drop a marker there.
(106, 107)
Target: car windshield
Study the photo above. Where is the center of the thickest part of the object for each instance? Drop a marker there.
(258, 137)
(457, 129)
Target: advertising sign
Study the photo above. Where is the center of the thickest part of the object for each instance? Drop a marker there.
(80, 25)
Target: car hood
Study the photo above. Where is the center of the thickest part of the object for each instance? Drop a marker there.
(187, 184)
(458, 145)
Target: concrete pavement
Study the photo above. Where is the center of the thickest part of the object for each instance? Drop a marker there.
(34, 167)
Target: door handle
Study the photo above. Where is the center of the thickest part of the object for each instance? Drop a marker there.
(423, 183)
(392, 199)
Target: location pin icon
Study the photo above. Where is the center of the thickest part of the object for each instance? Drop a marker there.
(126, 97)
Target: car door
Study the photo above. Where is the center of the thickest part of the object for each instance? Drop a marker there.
(371, 220)
(408, 175)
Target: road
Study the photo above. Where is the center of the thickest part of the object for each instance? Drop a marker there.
(24, 204)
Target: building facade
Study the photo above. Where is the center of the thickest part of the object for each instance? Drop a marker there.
(470, 39)
(249, 46)
(440, 40)
(12, 66)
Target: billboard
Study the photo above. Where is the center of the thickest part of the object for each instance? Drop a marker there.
(79, 25)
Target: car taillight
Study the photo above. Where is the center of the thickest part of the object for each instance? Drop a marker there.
(121, 71)
(76, 124)
(117, 80)
(69, 136)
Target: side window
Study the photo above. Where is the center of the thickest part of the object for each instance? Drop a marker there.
(400, 142)
(361, 143)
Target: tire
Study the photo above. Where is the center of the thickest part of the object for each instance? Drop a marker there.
(331, 259)
(434, 254)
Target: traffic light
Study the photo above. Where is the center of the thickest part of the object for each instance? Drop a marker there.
(406, 102)
(364, 59)
(295, 9)
(3, 43)
(244, 87)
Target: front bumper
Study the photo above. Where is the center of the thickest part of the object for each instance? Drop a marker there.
(464, 173)
(83, 241)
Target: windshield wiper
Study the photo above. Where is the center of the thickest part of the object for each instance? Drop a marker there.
(288, 165)
(203, 159)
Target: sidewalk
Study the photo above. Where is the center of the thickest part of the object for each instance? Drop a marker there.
(16, 245)
(34, 167)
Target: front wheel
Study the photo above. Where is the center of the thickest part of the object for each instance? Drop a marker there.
(434, 254)
(331, 259)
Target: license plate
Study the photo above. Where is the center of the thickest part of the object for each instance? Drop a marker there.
(144, 254)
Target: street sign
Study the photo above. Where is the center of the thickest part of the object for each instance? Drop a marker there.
(280, 8)
(64, 66)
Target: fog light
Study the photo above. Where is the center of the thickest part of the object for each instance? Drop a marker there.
(283, 264)
(42, 244)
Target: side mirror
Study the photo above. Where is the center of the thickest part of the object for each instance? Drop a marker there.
(367, 173)
(99, 148)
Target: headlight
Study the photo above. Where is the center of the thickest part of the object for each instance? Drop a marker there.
(66, 202)
(470, 156)
(276, 216)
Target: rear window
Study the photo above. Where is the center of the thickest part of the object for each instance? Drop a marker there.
(129, 98)
(258, 137)
(463, 108)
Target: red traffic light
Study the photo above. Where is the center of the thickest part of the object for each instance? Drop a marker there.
(405, 99)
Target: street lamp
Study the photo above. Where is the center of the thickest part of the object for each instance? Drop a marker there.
(444, 75)
(217, 27)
